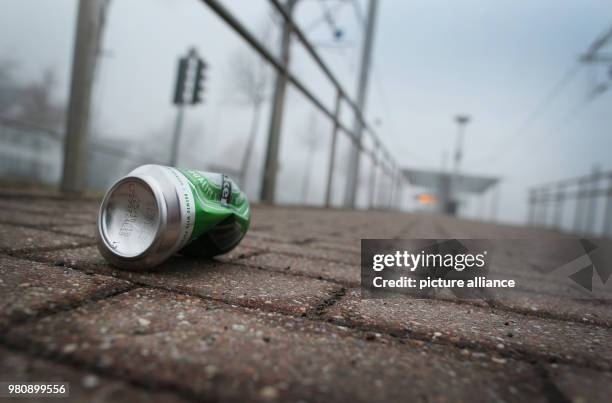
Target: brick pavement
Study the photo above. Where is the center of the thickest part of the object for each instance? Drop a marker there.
(279, 318)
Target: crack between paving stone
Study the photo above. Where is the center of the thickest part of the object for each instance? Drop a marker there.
(297, 254)
(546, 315)
(551, 391)
(483, 347)
(50, 228)
(52, 197)
(336, 248)
(295, 274)
(304, 241)
(25, 254)
(319, 310)
(50, 311)
(500, 306)
(45, 213)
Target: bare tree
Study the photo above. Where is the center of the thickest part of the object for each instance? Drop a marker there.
(8, 86)
(35, 103)
(31, 102)
(31, 107)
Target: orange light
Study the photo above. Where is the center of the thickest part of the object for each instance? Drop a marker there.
(427, 198)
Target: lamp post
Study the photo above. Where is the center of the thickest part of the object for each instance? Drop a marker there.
(462, 121)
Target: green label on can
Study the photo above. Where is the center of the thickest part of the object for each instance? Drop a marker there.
(222, 213)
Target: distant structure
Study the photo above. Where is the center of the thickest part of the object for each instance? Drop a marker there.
(446, 188)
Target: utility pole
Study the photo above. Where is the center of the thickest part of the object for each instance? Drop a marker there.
(362, 85)
(494, 203)
(268, 187)
(593, 56)
(462, 121)
(89, 18)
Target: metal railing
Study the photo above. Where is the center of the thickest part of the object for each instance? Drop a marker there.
(580, 205)
(379, 154)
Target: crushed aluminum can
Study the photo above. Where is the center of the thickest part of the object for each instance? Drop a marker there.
(156, 211)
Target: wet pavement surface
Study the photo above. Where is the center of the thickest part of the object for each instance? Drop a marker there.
(280, 318)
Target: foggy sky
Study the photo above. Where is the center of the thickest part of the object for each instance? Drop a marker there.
(495, 61)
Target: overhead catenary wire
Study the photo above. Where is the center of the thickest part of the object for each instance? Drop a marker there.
(532, 117)
(511, 141)
(574, 113)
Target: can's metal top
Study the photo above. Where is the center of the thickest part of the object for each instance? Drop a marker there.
(130, 218)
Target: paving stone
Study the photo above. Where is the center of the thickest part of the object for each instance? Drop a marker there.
(582, 385)
(81, 230)
(581, 310)
(239, 252)
(49, 205)
(236, 284)
(85, 386)
(277, 236)
(12, 191)
(304, 251)
(28, 288)
(35, 219)
(19, 239)
(464, 324)
(352, 246)
(349, 274)
(233, 354)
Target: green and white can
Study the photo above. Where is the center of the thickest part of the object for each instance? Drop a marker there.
(156, 211)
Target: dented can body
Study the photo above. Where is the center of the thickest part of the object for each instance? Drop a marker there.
(156, 211)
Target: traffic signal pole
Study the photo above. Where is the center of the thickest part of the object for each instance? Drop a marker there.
(176, 137)
(190, 69)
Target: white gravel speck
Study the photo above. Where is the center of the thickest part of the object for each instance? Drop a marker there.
(90, 381)
(144, 322)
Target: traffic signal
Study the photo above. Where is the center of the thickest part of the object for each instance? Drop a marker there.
(190, 78)
(181, 78)
(198, 83)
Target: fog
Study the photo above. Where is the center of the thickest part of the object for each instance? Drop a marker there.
(496, 61)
